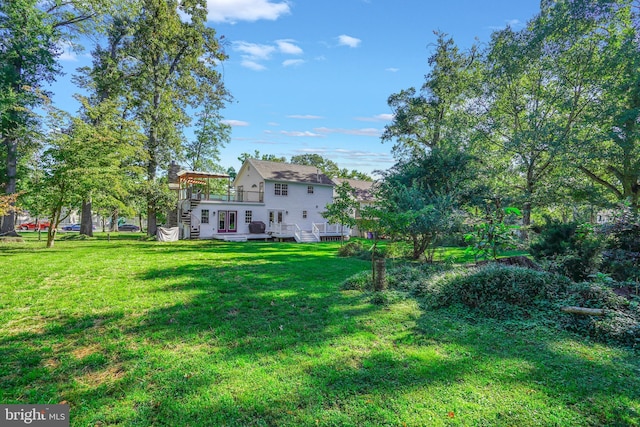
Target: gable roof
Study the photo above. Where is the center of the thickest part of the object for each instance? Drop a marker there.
(363, 189)
(287, 172)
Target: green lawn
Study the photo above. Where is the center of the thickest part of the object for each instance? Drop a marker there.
(206, 333)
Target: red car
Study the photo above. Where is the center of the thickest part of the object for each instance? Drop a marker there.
(42, 225)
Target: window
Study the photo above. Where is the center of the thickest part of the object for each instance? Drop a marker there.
(248, 217)
(304, 214)
(281, 189)
(204, 216)
(310, 189)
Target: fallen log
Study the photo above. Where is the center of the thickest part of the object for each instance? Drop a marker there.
(584, 311)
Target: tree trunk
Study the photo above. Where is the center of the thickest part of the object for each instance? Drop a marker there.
(380, 282)
(9, 220)
(114, 221)
(152, 167)
(86, 221)
(584, 311)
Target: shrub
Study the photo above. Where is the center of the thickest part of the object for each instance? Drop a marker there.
(498, 290)
(397, 250)
(621, 322)
(568, 248)
(621, 257)
(358, 282)
(351, 249)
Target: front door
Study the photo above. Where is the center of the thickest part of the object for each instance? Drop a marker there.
(227, 221)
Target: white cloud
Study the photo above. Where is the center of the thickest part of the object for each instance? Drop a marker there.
(235, 123)
(376, 118)
(304, 117)
(359, 132)
(288, 47)
(392, 70)
(305, 134)
(245, 10)
(345, 40)
(254, 51)
(292, 62)
(252, 65)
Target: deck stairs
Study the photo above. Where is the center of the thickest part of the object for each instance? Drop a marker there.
(306, 237)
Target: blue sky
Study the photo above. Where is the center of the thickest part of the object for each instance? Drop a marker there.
(314, 76)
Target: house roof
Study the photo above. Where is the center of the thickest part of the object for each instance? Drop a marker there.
(363, 189)
(278, 171)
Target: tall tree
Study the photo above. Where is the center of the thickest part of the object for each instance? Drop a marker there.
(173, 56)
(211, 134)
(607, 150)
(538, 85)
(437, 116)
(30, 35)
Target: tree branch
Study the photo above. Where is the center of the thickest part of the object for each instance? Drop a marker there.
(601, 181)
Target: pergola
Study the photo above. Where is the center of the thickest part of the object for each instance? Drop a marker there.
(187, 180)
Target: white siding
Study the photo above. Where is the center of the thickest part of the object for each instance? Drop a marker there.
(298, 200)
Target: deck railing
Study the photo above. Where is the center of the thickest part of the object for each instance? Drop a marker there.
(241, 196)
(324, 228)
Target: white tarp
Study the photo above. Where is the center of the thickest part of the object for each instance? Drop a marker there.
(166, 234)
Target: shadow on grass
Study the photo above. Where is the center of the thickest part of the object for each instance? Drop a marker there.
(264, 337)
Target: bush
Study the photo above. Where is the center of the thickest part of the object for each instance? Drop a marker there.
(568, 248)
(621, 323)
(516, 293)
(358, 282)
(397, 250)
(621, 257)
(497, 290)
(351, 249)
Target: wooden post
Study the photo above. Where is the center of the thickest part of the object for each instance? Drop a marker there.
(380, 280)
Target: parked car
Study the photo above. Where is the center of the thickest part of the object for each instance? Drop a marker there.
(128, 227)
(42, 225)
(75, 227)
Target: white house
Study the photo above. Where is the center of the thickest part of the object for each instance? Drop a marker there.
(266, 200)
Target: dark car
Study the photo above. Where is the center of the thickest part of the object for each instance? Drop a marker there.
(128, 227)
(42, 225)
(75, 227)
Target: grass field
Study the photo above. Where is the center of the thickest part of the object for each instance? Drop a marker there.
(205, 333)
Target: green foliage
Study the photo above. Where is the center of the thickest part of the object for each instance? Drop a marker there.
(343, 208)
(621, 257)
(256, 155)
(571, 249)
(621, 322)
(495, 290)
(492, 237)
(353, 248)
(209, 333)
(211, 135)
